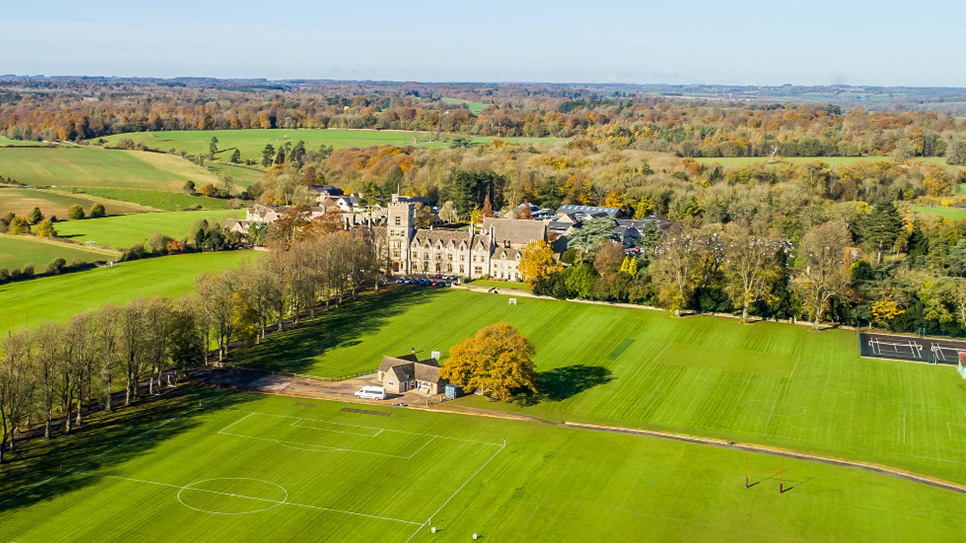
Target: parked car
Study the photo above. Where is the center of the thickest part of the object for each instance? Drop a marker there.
(371, 392)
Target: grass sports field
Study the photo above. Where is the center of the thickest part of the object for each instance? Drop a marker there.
(15, 251)
(128, 230)
(251, 142)
(202, 465)
(766, 383)
(52, 202)
(58, 298)
(95, 167)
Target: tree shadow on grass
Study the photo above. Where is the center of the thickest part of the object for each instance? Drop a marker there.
(565, 382)
(298, 349)
(42, 470)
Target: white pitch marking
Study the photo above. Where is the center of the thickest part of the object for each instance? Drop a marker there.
(457, 491)
(296, 425)
(775, 403)
(279, 502)
(373, 428)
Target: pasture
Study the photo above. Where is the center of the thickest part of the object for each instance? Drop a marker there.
(475, 107)
(57, 298)
(832, 161)
(128, 230)
(945, 212)
(51, 202)
(95, 167)
(250, 142)
(16, 251)
(767, 383)
(155, 199)
(203, 465)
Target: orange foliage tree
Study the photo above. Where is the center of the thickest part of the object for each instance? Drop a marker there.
(496, 360)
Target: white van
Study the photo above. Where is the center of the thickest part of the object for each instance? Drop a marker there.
(371, 393)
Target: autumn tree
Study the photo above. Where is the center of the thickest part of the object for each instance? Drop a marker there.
(826, 276)
(496, 360)
(97, 210)
(537, 263)
(75, 212)
(749, 266)
(46, 229)
(676, 267)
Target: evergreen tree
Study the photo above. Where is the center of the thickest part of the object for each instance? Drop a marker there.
(213, 145)
(881, 227)
(235, 157)
(35, 216)
(268, 153)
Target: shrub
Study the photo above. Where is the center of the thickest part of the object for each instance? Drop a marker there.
(4, 275)
(569, 256)
(56, 267)
(134, 253)
(97, 210)
(19, 226)
(158, 243)
(76, 212)
(46, 229)
(208, 190)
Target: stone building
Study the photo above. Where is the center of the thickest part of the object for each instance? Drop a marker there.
(494, 250)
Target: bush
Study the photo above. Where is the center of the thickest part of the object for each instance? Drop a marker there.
(4, 275)
(158, 243)
(194, 207)
(56, 267)
(19, 226)
(569, 256)
(208, 190)
(97, 210)
(134, 253)
(76, 212)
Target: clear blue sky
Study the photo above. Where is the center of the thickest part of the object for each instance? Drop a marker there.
(884, 42)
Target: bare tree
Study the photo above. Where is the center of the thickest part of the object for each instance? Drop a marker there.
(132, 346)
(158, 321)
(676, 265)
(47, 339)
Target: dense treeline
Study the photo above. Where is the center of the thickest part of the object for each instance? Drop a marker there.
(68, 110)
(833, 273)
(57, 369)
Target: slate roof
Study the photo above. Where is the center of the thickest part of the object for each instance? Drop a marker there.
(516, 231)
(409, 367)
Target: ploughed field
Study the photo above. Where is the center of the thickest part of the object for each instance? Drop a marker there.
(207, 465)
(766, 383)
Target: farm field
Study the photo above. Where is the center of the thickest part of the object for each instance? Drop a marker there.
(946, 212)
(58, 298)
(243, 177)
(767, 383)
(251, 142)
(128, 230)
(16, 251)
(95, 167)
(51, 202)
(475, 107)
(830, 160)
(156, 199)
(228, 466)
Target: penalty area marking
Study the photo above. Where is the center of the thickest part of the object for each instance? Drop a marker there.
(276, 503)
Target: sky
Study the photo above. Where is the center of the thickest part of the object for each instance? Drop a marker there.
(818, 42)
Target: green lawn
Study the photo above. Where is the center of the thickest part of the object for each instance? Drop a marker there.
(768, 383)
(251, 142)
(15, 251)
(243, 177)
(475, 107)
(203, 465)
(168, 201)
(128, 230)
(499, 284)
(947, 212)
(95, 167)
(58, 298)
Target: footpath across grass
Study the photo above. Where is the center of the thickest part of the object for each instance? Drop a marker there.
(227, 466)
(765, 383)
(58, 298)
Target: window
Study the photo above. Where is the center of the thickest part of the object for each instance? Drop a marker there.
(391, 383)
(398, 221)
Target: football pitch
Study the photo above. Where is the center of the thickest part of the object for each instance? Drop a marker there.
(765, 383)
(208, 465)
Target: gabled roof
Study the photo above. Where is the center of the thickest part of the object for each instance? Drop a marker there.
(516, 231)
(408, 367)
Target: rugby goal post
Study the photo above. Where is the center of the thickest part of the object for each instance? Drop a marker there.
(780, 474)
(513, 301)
